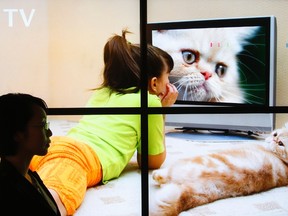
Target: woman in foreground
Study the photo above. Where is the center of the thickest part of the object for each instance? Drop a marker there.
(24, 133)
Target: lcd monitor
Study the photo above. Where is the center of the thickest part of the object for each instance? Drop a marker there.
(221, 62)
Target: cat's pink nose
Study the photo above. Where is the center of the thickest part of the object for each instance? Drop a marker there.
(206, 74)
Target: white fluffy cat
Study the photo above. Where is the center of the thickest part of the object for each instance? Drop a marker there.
(238, 171)
(205, 61)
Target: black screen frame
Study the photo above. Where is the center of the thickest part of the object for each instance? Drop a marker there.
(264, 21)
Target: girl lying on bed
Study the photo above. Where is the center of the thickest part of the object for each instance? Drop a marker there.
(99, 147)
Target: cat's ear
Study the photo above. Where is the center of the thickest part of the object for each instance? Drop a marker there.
(245, 33)
(240, 37)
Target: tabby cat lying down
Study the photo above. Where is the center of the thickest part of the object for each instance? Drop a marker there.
(234, 172)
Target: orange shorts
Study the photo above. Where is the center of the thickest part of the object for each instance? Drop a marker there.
(69, 168)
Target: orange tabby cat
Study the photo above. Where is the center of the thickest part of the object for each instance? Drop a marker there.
(235, 172)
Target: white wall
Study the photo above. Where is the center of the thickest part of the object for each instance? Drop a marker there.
(24, 63)
(78, 31)
(59, 55)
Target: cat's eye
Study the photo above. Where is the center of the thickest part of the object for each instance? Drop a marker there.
(220, 70)
(189, 57)
(280, 143)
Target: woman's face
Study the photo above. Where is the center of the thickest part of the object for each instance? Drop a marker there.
(36, 137)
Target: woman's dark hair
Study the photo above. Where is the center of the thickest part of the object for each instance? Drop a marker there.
(16, 109)
(122, 70)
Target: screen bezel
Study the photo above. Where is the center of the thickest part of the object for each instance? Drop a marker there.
(265, 22)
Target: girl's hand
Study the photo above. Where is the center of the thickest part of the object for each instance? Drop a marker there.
(169, 98)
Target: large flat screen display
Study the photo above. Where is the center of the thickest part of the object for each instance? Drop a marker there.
(221, 62)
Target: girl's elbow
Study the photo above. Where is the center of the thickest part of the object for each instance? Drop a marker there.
(156, 161)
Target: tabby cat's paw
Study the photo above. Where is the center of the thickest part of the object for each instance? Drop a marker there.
(160, 176)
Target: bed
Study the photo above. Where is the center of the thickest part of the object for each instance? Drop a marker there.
(122, 196)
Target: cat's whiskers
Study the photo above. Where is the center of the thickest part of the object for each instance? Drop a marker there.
(217, 96)
(252, 98)
(185, 95)
(228, 92)
(179, 85)
(213, 96)
(187, 89)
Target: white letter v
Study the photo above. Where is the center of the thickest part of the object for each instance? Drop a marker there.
(24, 18)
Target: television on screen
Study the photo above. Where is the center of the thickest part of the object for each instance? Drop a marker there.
(221, 62)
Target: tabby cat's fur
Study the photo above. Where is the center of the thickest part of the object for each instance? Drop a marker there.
(234, 172)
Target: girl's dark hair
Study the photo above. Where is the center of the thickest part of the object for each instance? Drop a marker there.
(157, 59)
(122, 69)
(16, 109)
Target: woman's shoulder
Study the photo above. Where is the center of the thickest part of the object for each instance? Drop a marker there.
(7, 171)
